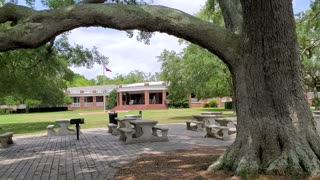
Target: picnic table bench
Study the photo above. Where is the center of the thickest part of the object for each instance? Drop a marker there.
(113, 129)
(143, 131)
(126, 134)
(194, 125)
(6, 138)
(222, 129)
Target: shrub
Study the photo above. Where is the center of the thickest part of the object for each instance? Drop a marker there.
(205, 105)
(181, 103)
(228, 105)
(112, 100)
(213, 103)
(67, 99)
(315, 101)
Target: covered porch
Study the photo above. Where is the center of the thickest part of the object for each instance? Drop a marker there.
(142, 96)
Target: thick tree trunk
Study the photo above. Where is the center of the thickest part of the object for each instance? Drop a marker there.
(276, 132)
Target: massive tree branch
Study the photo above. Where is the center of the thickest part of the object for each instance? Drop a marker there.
(232, 14)
(38, 27)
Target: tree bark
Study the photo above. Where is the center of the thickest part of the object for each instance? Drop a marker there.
(276, 132)
(35, 28)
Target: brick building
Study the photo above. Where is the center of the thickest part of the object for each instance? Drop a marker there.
(137, 96)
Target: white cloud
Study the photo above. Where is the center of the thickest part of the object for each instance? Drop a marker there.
(127, 54)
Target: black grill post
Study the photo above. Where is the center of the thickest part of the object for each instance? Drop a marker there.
(77, 122)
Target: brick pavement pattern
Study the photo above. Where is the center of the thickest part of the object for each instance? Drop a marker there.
(97, 155)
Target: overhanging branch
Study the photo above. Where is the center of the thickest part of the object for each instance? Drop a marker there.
(36, 28)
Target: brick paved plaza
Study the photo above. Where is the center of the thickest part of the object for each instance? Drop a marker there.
(97, 154)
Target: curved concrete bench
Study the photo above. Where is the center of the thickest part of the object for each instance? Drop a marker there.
(6, 138)
(51, 131)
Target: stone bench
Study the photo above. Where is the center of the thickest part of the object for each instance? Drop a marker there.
(198, 125)
(51, 131)
(126, 134)
(219, 132)
(164, 132)
(6, 138)
(113, 129)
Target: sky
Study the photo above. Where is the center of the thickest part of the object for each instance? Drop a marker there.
(127, 54)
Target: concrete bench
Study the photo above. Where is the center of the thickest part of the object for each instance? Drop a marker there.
(164, 132)
(126, 134)
(194, 125)
(113, 129)
(219, 132)
(232, 130)
(6, 138)
(51, 131)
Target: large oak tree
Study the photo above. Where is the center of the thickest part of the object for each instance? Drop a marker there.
(276, 132)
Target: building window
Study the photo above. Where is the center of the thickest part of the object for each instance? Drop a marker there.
(76, 99)
(88, 99)
(99, 98)
(76, 102)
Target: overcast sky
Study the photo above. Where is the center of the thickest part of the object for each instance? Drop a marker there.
(127, 54)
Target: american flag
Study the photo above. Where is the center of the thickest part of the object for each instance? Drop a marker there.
(106, 68)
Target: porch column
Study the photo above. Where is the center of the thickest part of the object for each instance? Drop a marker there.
(120, 99)
(81, 99)
(81, 102)
(146, 97)
(94, 101)
(164, 97)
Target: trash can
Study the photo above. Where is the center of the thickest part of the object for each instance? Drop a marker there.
(112, 116)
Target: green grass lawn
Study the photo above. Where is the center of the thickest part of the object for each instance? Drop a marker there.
(37, 122)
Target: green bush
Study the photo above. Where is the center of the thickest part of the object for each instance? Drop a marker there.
(213, 103)
(67, 99)
(315, 101)
(182, 103)
(205, 105)
(210, 104)
(228, 105)
(112, 100)
(5, 111)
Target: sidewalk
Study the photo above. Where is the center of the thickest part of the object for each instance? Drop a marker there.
(95, 156)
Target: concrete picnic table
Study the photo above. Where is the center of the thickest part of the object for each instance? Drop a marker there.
(124, 122)
(224, 121)
(136, 116)
(143, 127)
(64, 129)
(144, 131)
(223, 130)
(211, 113)
(204, 120)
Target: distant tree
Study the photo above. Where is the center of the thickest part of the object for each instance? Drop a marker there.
(42, 73)
(195, 71)
(308, 31)
(112, 100)
(80, 80)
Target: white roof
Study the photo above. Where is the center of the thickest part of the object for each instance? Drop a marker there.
(151, 86)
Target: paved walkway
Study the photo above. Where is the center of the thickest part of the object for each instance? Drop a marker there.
(97, 154)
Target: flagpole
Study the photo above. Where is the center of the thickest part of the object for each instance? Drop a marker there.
(104, 91)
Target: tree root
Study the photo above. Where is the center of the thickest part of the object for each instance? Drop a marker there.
(298, 160)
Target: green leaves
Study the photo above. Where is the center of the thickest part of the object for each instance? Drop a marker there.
(308, 32)
(195, 71)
